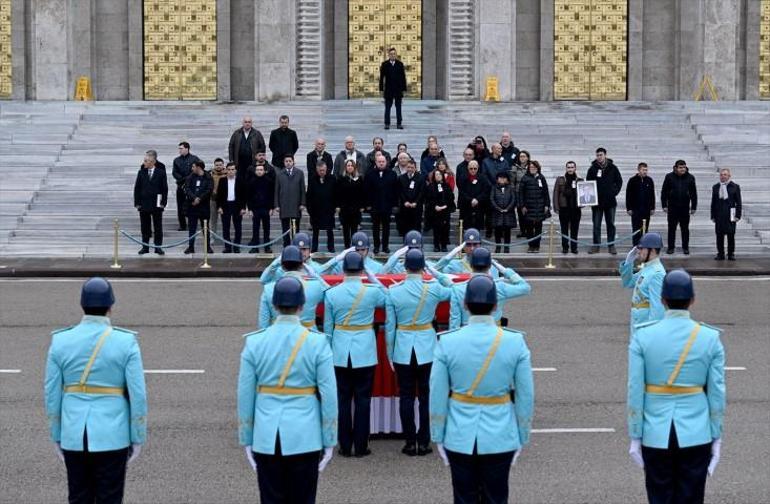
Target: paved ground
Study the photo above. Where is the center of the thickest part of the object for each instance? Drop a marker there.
(575, 325)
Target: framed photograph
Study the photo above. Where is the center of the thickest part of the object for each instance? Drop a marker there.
(587, 194)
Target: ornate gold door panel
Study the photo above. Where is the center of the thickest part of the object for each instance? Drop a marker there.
(764, 50)
(373, 27)
(180, 50)
(590, 49)
(6, 63)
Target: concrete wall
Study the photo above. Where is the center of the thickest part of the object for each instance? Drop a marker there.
(527, 50)
(110, 81)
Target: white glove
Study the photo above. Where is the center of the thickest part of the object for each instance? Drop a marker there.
(401, 251)
(716, 451)
(250, 458)
(328, 452)
(516, 456)
(632, 255)
(456, 250)
(635, 451)
(339, 257)
(442, 453)
(499, 266)
(59, 453)
(136, 449)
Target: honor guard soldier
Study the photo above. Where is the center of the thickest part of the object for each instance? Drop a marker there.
(302, 241)
(411, 338)
(510, 286)
(412, 240)
(450, 263)
(676, 397)
(479, 432)
(95, 399)
(348, 322)
(313, 287)
(361, 245)
(287, 402)
(646, 303)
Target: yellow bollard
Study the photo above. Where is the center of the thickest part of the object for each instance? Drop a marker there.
(205, 264)
(550, 264)
(115, 263)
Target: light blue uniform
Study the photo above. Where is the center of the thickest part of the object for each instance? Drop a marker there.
(512, 285)
(395, 264)
(111, 420)
(653, 354)
(350, 331)
(369, 263)
(410, 304)
(275, 272)
(302, 423)
(646, 303)
(459, 266)
(492, 428)
(314, 294)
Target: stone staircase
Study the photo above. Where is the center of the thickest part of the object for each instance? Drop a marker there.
(69, 168)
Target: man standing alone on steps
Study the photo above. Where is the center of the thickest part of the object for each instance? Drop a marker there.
(392, 86)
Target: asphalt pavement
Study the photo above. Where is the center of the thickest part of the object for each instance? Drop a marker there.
(579, 326)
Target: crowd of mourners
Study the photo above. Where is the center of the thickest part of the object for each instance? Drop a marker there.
(497, 188)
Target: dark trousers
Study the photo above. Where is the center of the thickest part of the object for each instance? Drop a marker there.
(152, 224)
(637, 219)
(388, 104)
(354, 385)
(260, 218)
(730, 244)
(192, 228)
(597, 213)
(480, 478)
(414, 378)
(180, 203)
(473, 219)
(569, 221)
(231, 215)
(329, 239)
(680, 217)
(348, 229)
(440, 234)
(675, 474)
(502, 237)
(95, 477)
(409, 219)
(488, 223)
(287, 478)
(521, 219)
(286, 225)
(534, 228)
(381, 224)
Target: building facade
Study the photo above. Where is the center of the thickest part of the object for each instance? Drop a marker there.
(538, 50)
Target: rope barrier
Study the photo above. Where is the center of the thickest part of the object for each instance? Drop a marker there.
(512, 244)
(602, 244)
(246, 245)
(150, 245)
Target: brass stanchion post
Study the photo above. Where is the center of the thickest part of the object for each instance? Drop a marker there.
(645, 226)
(460, 233)
(205, 264)
(550, 264)
(293, 229)
(116, 229)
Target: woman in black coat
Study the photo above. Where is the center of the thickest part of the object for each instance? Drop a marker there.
(473, 197)
(503, 202)
(535, 203)
(349, 199)
(440, 201)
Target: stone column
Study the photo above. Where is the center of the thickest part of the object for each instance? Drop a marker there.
(18, 50)
(340, 49)
(80, 50)
(50, 67)
(135, 50)
(635, 72)
(223, 50)
(752, 50)
(546, 49)
(720, 46)
(274, 49)
(496, 46)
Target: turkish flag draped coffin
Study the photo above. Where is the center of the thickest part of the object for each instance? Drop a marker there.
(384, 413)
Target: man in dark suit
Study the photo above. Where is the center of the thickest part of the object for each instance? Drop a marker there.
(318, 154)
(381, 188)
(283, 140)
(410, 199)
(726, 210)
(392, 86)
(232, 194)
(150, 198)
(180, 170)
(320, 205)
(640, 201)
(289, 196)
(244, 144)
